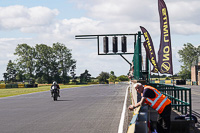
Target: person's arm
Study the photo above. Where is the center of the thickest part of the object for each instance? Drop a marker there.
(142, 101)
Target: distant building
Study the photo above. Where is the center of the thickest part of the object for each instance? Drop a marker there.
(195, 72)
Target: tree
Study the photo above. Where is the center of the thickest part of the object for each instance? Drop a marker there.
(167, 78)
(85, 77)
(11, 71)
(19, 74)
(189, 54)
(65, 61)
(43, 63)
(44, 59)
(5, 75)
(185, 73)
(26, 59)
(112, 77)
(103, 77)
(123, 78)
(73, 74)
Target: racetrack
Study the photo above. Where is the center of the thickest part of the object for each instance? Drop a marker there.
(90, 109)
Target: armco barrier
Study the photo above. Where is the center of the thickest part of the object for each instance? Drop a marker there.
(28, 86)
(187, 82)
(168, 81)
(14, 85)
(8, 86)
(180, 82)
(20, 85)
(2, 86)
(11, 86)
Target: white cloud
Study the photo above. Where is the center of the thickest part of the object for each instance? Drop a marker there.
(20, 17)
(66, 29)
(184, 18)
(7, 46)
(186, 11)
(130, 14)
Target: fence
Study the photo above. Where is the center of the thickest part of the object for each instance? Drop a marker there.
(180, 96)
(175, 82)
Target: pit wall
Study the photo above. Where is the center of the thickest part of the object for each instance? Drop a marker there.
(140, 119)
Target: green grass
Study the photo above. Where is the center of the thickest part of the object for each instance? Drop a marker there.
(19, 91)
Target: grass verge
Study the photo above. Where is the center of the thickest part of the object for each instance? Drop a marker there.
(19, 91)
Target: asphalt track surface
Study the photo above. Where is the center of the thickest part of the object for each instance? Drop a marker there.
(92, 109)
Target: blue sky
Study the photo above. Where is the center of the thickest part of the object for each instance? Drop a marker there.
(49, 21)
(64, 6)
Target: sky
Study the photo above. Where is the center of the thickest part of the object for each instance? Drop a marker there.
(51, 21)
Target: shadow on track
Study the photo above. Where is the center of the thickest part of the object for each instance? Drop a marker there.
(63, 100)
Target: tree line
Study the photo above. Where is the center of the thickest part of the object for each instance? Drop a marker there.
(45, 64)
(41, 63)
(189, 55)
(105, 77)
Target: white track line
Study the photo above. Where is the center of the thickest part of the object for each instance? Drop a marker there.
(121, 124)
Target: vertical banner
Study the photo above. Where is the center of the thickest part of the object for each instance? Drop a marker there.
(165, 51)
(148, 45)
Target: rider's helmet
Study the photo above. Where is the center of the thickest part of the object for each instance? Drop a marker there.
(54, 83)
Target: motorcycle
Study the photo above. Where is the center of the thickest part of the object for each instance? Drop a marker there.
(54, 93)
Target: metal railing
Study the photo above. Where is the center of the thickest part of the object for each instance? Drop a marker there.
(180, 97)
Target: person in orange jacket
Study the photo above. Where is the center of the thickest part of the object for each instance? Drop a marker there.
(157, 101)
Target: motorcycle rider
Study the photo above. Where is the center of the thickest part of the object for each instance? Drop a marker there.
(55, 86)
